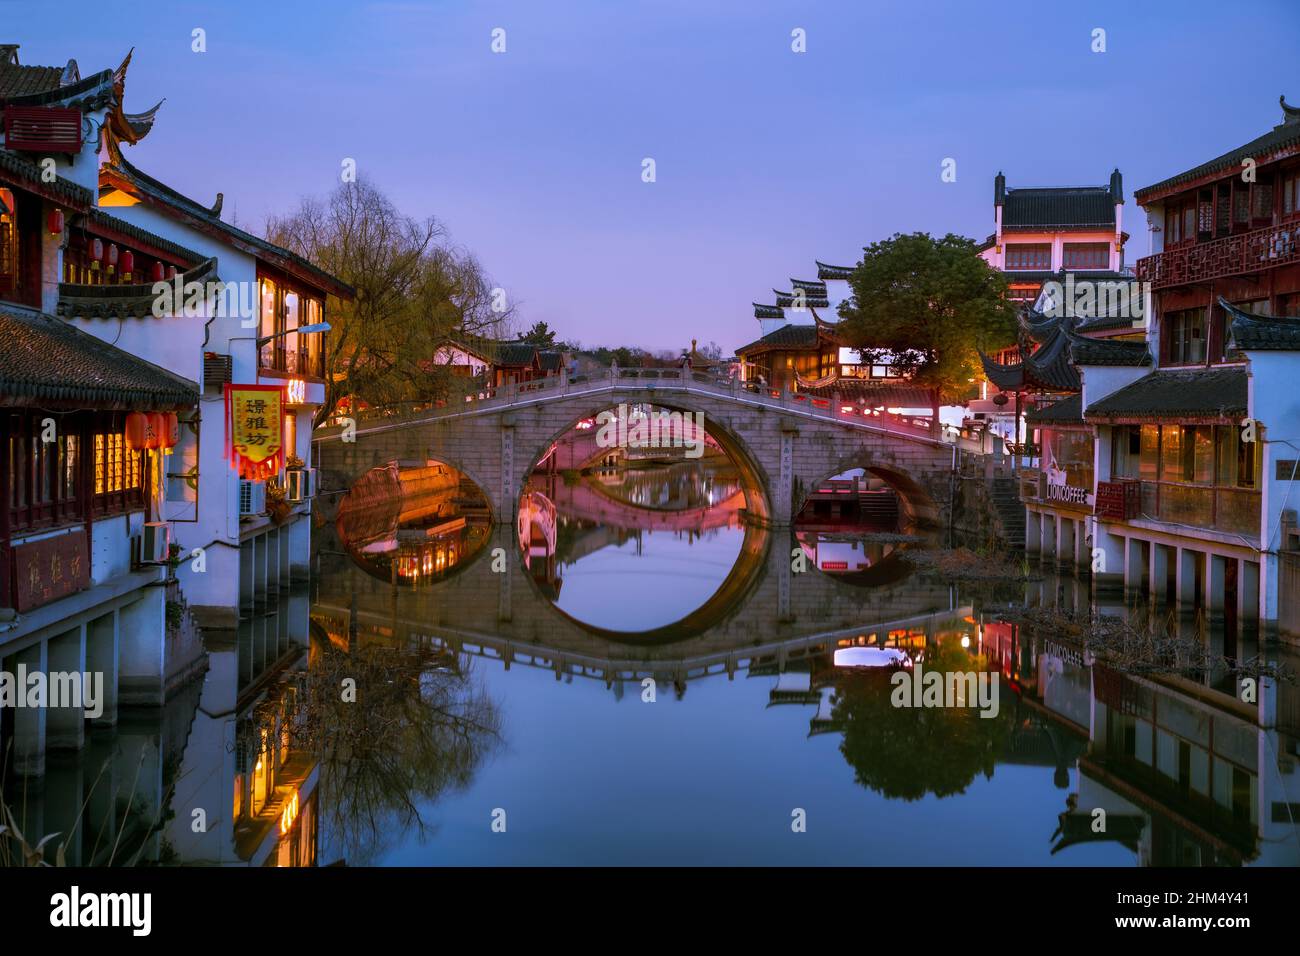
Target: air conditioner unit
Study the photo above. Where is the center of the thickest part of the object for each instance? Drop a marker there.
(300, 484)
(154, 543)
(252, 498)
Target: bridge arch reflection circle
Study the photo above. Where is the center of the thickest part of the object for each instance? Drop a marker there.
(853, 523)
(604, 514)
(414, 522)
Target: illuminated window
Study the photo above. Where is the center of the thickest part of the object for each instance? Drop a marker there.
(270, 307)
(8, 242)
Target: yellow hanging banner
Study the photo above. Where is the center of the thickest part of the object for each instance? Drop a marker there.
(255, 428)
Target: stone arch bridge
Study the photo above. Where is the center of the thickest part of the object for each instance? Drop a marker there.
(783, 443)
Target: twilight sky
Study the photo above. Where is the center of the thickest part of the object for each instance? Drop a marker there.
(765, 159)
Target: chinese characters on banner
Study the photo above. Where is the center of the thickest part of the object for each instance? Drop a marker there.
(255, 429)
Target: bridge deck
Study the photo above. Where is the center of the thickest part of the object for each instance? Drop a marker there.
(670, 382)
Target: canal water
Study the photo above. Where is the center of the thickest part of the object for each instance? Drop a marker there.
(635, 673)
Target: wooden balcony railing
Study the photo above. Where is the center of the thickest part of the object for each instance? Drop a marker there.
(1232, 255)
(1217, 509)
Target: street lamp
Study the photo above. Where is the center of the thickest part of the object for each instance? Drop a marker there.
(304, 329)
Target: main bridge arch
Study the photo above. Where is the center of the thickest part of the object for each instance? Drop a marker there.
(783, 447)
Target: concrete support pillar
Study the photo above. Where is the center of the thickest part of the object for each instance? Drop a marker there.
(29, 723)
(1248, 589)
(1215, 583)
(1268, 588)
(1048, 546)
(1108, 567)
(102, 658)
(66, 726)
(1033, 532)
(142, 642)
(1066, 541)
(1188, 561)
(1137, 566)
(1159, 574)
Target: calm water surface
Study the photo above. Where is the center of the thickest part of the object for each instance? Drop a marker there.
(502, 675)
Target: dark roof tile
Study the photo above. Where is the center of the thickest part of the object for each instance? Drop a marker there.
(787, 336)
(1177, 394)
(46, 362)
(1067, 410)
(1262, 333)
(1065, 206)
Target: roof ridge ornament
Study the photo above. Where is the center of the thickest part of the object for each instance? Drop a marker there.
(215, 209)
(71, 73)
(1290, 114)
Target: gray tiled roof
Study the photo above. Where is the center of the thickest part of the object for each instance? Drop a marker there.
(47, 362)
(1211, 393)
(787, 336)
(1066, 410)
(1262, 333)
(1063, 206)
(825, 271)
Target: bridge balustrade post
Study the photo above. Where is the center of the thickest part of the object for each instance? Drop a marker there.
(835, 404)
(564, 380)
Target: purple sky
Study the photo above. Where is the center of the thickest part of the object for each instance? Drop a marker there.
(766, 159)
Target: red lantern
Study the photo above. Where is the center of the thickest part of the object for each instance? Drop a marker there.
(157, 428)
(137, 427)
(171, 273)
(111, 258)
(157, 272)
(171, 431)
(128, 264)
(96, 247)
(55, 222)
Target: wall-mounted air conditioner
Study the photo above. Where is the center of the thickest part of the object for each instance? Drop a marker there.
(252, 498)
(153, 544)
(300, 484)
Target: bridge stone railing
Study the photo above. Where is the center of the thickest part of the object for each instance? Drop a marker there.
(842, 411)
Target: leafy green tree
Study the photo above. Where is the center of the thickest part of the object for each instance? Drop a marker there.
(927, 306)
(540, 335)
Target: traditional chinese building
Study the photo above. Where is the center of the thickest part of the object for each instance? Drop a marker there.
(1193, 454)
(801, 349)
(1062, 251)
(87, 240)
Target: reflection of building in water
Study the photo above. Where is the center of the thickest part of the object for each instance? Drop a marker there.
(1187, 775)
(413, 522)
(258, 793)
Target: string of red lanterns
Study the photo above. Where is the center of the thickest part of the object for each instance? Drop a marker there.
(155, 431)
